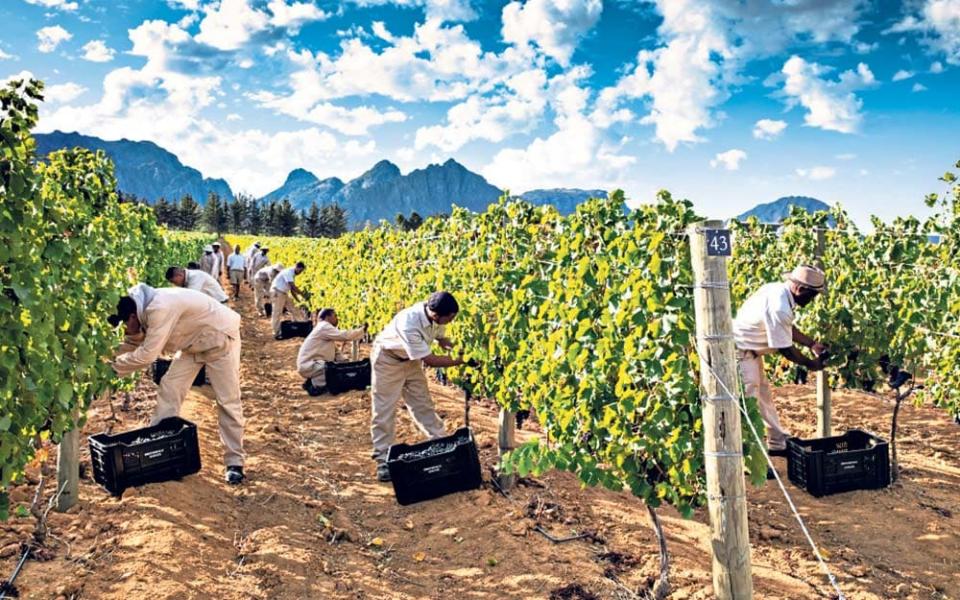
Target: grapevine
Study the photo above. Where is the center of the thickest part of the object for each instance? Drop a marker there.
(68, 249)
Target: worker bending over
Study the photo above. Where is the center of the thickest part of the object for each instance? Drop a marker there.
(206, 334)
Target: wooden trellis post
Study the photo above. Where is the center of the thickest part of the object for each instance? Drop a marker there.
(824, 415)
(507, 442)
(723, 444)
(68, 468)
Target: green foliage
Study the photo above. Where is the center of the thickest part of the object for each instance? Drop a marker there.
(890, 292)
(68, 249)
(588, 319)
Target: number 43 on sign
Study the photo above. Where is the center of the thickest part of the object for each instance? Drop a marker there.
(718, 242)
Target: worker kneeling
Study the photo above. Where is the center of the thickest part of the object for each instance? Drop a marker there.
(399, 353)
(206, 334)
(320, 347)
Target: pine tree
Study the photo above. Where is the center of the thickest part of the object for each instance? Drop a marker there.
(237, 207)
(414, 221)
(287, 219)
(211, 213)
(252, 216)
(188, 213)
(310, 222)
(333, 220)
(270, 219)
(223, 216)
(166, 212)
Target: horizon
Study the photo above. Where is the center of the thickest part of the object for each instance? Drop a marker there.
(846, 102)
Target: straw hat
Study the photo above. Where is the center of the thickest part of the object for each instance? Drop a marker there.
(807, 276)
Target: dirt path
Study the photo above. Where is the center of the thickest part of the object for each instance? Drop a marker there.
(312, 522)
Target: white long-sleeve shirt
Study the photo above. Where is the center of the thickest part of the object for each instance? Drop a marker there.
(321, 345)
(179, 320)
(196, 279)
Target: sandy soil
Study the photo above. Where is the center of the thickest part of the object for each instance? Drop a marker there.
(312, 522)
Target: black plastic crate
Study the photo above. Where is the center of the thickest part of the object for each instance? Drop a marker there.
(434, 468)
(856, 460)
(292, 329)
(168, 450)
(347, 376)
(162, 365)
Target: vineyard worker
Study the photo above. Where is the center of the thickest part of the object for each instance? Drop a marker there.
(248, 260)
(207, 334)
(208, 262)
(399, 353)
(236, 267)
(258, 262)
(196, 280)
(764, 325)
(219, 256)
(261, 285)
(320, 347)
(284, 286)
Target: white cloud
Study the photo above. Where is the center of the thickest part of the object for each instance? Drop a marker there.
(846, 156)
(164, 106)
(97, 51)
(234, 117)
(51, 37)
(63, 93)
(818, 173)
(442, 10)
(380, 30)
(768, 129)
(230, 25)
(350, 121)
(707, 44)
(918, 87)
(579, 153)
(245, 63)
(939, 23)
(185, 4)
(729, 160)
(936, 67)
(188, 20)
(555, 26)
(575, 156)
(517, 108)
(865, 48)
(5, 56)
(436, 63)
(295, 14)
(831, 105)
(57, 4)
(901, 75)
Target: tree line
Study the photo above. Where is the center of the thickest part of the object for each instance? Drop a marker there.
(247, 215)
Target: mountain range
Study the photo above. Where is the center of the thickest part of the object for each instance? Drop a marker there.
(143, 169)
(146, 170)
(778, 210)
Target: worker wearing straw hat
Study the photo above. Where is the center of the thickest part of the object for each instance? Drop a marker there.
(764, 325)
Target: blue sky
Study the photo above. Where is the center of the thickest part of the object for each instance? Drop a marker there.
(726, 102)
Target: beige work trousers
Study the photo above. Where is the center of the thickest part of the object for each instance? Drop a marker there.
(261, 294)
(391, 379)
(316, 373)
(757, 385)
(223, 371)
(281, 300)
